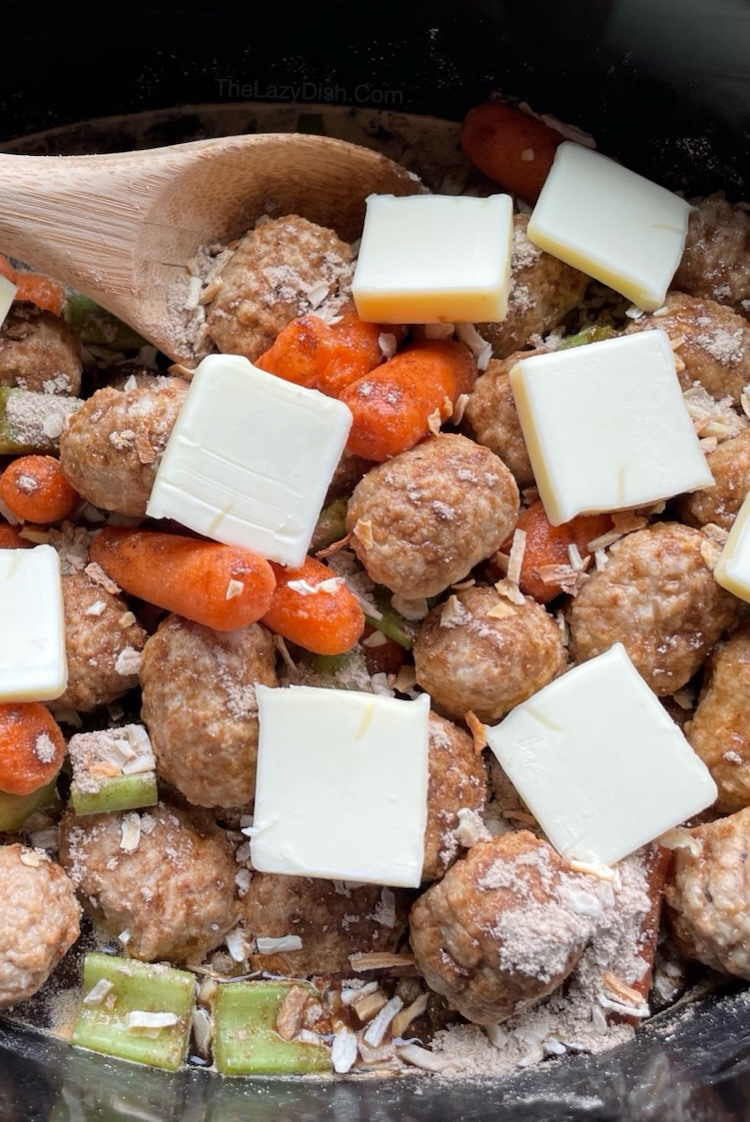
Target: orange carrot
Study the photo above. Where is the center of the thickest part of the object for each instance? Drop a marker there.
(547, 546)
(324, 356)
(32, 747)
(35, 489)
(35, 287)
(395, 406)
(221, 586)
(11, 539)
(314, 609)
(509, 146)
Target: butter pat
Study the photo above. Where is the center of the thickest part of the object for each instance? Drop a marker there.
(732, 570)
(33, 666)
(7, 296)
(341, 790)
(434, 259)
(599, 763)
(611, 223)
(250, 458)
(606, 426)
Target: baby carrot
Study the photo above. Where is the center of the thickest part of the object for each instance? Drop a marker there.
(32, 747)
(35, 489)
(313, 608)
(546, 547)
(509, 146)
(35, 287)
(221, 586)
(398, 404)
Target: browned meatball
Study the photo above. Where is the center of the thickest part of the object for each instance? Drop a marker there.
(161, 879)
(40, 921)
(103, 642)
(543, 289)
(458, 781)
(39, 352)
(505, 926)
(719, 730)
(110, 449)
(491, 418)
(200, 709)
(709, 895)
(730, 467)
(657, 596)
(479, 652)
(715, 349)
(716, 261)
(274, 276)
(333, 919)
(424, 519)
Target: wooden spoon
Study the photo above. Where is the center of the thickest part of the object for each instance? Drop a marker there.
(120, 228)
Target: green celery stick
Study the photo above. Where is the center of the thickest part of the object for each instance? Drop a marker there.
(346, 671)
(330, 527)
(137, 987)
(596, 333)
(32, 422)
(120, 792)
(15, 809)
(392, 623)
(246, 1041)
(95, 325)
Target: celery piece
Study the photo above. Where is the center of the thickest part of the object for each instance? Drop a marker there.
(346, 671)
(15, 809)
(330, 527)
(392, 623)
(245, 1037)
(137, 988)
(32, 422)
(95, 325)
(311, 123)
(120, 792)
(595, 333)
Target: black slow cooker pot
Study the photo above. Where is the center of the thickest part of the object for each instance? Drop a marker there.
(664, 85)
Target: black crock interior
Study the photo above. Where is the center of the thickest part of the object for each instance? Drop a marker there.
(662, 84)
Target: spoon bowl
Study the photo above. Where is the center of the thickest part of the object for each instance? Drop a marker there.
(121, 228)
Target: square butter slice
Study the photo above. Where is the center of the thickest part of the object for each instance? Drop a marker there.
(599, 763)
(732, 570)
(33, 665)
(434, 259)
(611, 223)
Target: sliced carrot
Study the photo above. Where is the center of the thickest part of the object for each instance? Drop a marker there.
(510, 146)
(397, 405)
(32, 747)
(546, 546)
(10, 538)
(37, 288)
(221, 586)
(35, 489)
(314, 609)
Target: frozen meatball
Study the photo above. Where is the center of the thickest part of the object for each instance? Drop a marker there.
(458, 782)
(657, 596)
(505, 926)
(709, 895)
(543, 289)
(479, 652)
(719, 730)
(282, 269)
(712, 343)
(39, 352)
(491, 418)
(200, 709)
(164, 875)
(424, 519)
(730, 467)
(333, 919)
(716, 261)
(103, 642)
(40, 921)
(110, 449)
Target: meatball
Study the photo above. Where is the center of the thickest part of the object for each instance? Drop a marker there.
(111, 448)
(719, 729)
(479, 652)
(271, 278)
(421, 521)
(730, 467)
(38, 351)
(716, 261)
(200, 710)
(505, 926)
(491, 418)
(657, 596)
(714, 343)
(458, 781)
(708, 895)
(543, 289)
(333, 919)
(164, 875)
(42, 921)
(103, 642)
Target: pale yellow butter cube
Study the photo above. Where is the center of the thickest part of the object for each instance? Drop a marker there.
(733, 567)
(33, 664)
(434, 259)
